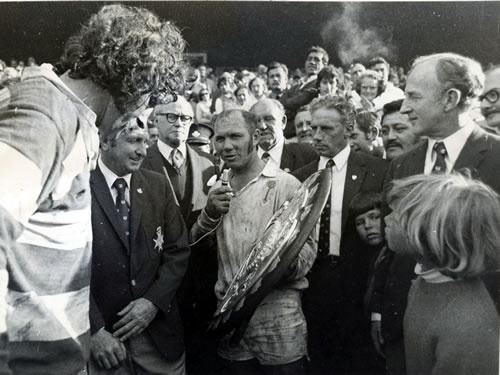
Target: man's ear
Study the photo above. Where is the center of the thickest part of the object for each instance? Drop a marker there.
(256, 136)
(105, 146)
(284, 119)
(451, 99)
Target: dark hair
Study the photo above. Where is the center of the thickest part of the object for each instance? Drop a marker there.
(377, 60)
(366, 121)
(128, 51)
(390, 108)
(364, 202)
(344, 107)
(330, 73)
(321, 50)
(277, 65)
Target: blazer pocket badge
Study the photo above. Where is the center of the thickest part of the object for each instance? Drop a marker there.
(158, 240)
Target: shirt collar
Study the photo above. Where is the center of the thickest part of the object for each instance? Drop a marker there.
(111, 176)
(454, 143)
(166, 150)
(340, 159)
(432, 276)
(275, 152)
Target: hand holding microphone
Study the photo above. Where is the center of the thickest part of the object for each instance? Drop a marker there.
(219, 198)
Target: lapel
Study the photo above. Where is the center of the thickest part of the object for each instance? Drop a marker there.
(473, 152)
(413, 163)
(354, 178)
(197, 183)
(102, 195)
(287, 159)
(137, 191)
(155, 159)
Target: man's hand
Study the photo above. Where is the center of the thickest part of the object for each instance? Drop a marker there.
(377, 339)
(218, 201)
(107, 350)
(136, 316)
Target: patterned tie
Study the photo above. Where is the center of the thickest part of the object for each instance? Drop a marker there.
(121, 203)
(324, 223)
(265, 156)
(440, 165)
(177, 160)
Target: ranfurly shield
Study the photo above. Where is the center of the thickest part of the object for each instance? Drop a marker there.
(271, 257)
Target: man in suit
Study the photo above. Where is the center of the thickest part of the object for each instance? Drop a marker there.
(272, 146)
(331, 305)
(140, 254)
(188, 172)
(300, 95)
(440, 92)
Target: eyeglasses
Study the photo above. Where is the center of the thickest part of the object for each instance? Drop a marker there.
(173, 117)
(490, 96)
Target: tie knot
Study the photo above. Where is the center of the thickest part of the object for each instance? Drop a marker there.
(330, 163)
(120, 184)
(265, 156)
(440, 148)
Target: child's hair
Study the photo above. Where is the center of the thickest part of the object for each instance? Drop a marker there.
(364, 202)
(450, 221)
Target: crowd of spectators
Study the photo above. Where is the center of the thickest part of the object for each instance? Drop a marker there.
(115, 240)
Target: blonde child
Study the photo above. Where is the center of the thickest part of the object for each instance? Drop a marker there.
(451, 225)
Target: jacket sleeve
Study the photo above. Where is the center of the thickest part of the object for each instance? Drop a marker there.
(175, 256)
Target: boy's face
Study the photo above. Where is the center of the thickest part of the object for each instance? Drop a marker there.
(369, 227)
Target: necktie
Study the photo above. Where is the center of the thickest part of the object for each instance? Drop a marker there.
(177, 160)
(121, 204)
(324, 223)
(265, 156)
(440, 164)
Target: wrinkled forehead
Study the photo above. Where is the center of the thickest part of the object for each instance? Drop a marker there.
(180, 107)
(129, 124)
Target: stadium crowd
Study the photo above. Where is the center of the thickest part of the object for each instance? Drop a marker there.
(135, 186)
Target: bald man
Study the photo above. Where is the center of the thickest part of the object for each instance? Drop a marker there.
(272, 147)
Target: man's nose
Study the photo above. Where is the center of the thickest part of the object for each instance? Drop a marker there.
(404, 107)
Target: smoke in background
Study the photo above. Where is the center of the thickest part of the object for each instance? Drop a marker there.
(344, 35)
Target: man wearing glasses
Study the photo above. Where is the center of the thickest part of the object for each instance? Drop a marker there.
(188, 173)
(490, 105)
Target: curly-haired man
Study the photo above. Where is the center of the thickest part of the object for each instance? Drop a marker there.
(48, 145)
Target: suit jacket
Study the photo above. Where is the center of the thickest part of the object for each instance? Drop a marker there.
(333, 303)
(294, 98)
(481, 156)
(150, 263)
(200, 168)
(296, 155)
(364, 173)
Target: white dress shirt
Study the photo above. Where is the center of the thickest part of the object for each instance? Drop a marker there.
(454, 144)
(166, 150)
(274, 153)
(339, 172)
(111, 177)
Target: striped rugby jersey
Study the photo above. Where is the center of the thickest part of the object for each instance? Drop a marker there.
(48, 145)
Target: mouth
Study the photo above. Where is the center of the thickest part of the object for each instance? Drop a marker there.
(394, 145)
(490, 113)
(229, 157)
